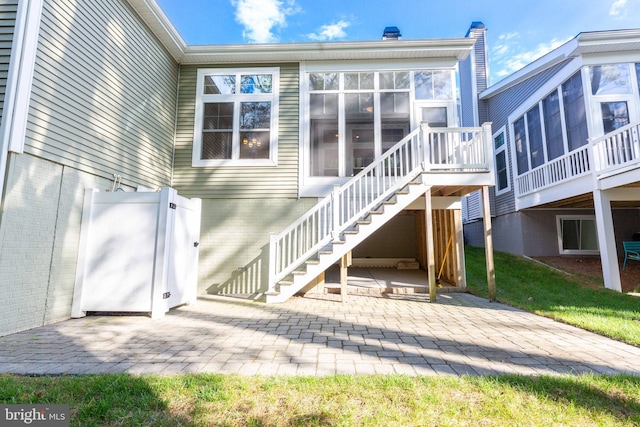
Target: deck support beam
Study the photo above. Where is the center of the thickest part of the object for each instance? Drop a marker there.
(488, 243)
(459, 249)
(431, 259)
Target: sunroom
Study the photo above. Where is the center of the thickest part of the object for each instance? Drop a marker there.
(352, 113)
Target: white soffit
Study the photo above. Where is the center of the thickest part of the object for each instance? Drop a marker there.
(453, 49)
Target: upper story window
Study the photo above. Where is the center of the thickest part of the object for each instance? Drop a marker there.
(610, 79)
(433, 85)
(613, 96)
(236, 118)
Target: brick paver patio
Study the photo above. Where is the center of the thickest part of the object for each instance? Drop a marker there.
(460, 334)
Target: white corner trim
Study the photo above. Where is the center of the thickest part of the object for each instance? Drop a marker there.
(19, 79)
(20, 75)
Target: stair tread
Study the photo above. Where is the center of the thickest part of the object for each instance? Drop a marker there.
(329, 252)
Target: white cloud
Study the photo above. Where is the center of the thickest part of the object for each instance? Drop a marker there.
(616, 7)
(330, 32)
(505, 60)
(508, 36)
(260, 17)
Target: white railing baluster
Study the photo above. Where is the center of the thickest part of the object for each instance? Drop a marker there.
(336, 212)
(616, 149)
(560, 169)
(635, 141)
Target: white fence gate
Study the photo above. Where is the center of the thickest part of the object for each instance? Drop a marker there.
(138, 252)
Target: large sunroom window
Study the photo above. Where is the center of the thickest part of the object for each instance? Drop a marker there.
(355, 116)
(552, 127)
(612, 92)
(236, 118)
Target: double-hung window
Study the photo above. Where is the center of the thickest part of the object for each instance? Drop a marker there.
(236, 120)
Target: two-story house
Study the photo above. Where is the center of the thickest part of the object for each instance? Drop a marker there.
(567, 155)
(301, 153)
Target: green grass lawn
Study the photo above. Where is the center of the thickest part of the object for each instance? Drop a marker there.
(378, 400)
(231, 400)
(542, 290)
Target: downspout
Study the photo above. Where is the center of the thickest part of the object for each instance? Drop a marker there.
(19, 80)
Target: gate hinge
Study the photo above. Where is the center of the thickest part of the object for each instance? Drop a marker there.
(166, 295)
(172, 206)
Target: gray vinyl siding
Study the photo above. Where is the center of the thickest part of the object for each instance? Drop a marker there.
(104, 93)
(8, 10)
(499, 107)
(473, 70)
(245, 182)
(473, 206)
(467, 97)
(482, 74)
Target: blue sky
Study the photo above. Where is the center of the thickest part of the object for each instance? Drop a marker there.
(518, 31)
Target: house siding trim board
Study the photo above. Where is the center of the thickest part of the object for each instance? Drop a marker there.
(23, 19)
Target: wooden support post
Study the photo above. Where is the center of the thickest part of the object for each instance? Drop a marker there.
(318, 284)
(488, 243)
(345, 262)
(459, 250)
(431, 261)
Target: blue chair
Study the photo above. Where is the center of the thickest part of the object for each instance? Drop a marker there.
(631, 252)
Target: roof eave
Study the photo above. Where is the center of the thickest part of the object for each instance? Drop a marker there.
(544, 62)
(161, 26)
(584, 43)
(451, 49)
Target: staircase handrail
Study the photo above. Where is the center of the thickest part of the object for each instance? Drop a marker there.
(390, 172)
(330, 207)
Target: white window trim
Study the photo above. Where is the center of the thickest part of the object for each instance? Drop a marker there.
(559, 219)
(595, 100)
(201, 98)
(496, 151)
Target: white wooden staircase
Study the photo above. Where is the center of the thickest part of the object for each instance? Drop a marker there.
(355, 210)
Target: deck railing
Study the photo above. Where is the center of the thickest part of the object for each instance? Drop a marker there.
(563, 168)
(425, 149)
(617, 149)
(602, 155)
